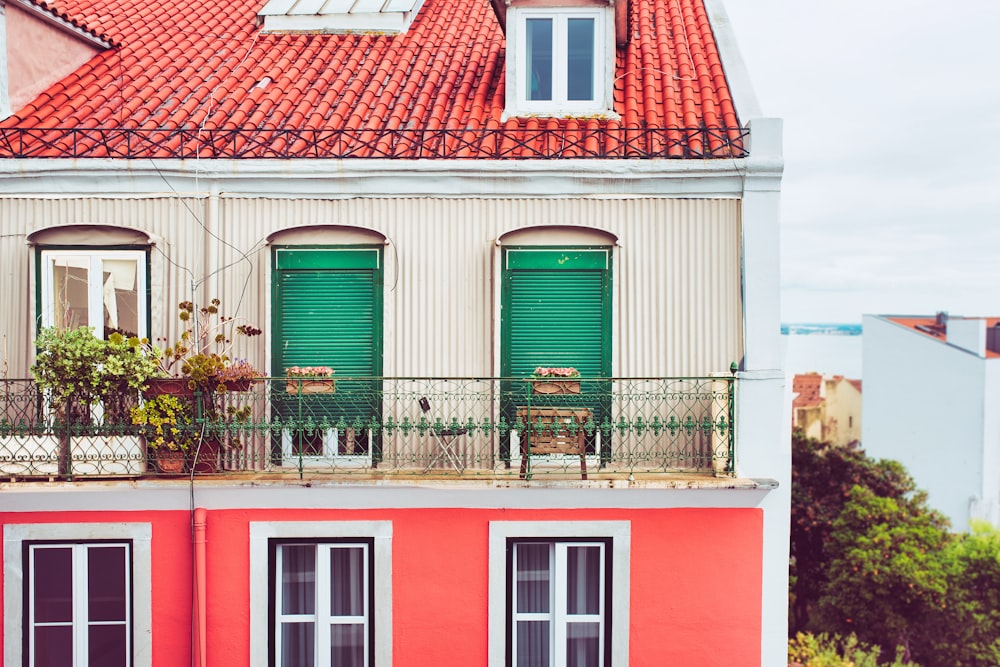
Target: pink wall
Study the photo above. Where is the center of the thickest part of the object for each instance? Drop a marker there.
(695, 581)
(38, 55)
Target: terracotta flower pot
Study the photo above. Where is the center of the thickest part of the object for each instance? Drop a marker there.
(555, 386)
(311, 386)
(169, 461)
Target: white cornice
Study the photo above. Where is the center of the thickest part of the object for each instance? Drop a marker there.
(380, 178)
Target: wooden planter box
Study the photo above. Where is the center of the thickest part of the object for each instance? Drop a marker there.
(555, 386)
(311, 386)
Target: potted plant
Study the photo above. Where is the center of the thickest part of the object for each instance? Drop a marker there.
(239, 375)
(555, 380)
(168, 426)
(76, 370)
(310, 380)
(200, 357)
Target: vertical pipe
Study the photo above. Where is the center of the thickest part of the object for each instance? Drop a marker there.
(200, 598)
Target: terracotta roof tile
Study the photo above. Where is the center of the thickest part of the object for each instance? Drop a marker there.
(806, 388)
(928, 326)
(203, 66)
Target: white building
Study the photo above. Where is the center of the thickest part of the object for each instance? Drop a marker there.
(932, 384)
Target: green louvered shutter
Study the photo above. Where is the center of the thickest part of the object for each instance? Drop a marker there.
(328, 312)
(556, 311)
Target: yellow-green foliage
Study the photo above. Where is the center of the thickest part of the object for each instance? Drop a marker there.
(808, 650)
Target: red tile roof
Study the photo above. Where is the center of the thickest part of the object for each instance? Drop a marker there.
(197, 77)
(806, 388)
(928, 326)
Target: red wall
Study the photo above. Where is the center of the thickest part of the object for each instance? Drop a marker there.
(695, 581)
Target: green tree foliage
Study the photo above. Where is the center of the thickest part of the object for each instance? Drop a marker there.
(822, 479)
(967, 631)
(887, 577)
(808, 650)
(870, 560)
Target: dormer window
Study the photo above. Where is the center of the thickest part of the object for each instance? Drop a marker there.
(559, 61)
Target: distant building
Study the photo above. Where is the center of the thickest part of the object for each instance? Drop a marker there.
(827, 407)
(933, 384)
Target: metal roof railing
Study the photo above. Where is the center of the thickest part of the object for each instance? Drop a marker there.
(589, 140)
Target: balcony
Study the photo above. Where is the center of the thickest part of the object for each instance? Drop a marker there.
(376, 428)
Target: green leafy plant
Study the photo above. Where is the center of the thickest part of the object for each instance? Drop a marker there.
(75, 363)
(201, 354)
(168, 423)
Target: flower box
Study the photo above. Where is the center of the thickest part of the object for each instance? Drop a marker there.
(554, 386)
(169, 386)
(311, 386)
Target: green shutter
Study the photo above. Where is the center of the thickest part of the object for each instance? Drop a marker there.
(557, 311)
(327, 319)
(556, 319)
(328, 313)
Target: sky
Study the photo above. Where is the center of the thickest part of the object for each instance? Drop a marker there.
(891, 190)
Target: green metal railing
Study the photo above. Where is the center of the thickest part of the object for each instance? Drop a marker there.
(375, 426)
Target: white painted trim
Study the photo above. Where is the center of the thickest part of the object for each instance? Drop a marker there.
(321, 494)
(141, 534)
(602, 105)
(261, 532)
(340, 179)
(620, 533)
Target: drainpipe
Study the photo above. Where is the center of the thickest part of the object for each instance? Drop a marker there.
(200, 597)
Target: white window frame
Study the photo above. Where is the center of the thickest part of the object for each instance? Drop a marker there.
(79, 621)
(261, 534)
(95, 294)
(140, 536)
(518, 104)
(560, 533)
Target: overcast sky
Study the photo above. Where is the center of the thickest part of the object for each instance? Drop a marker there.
(891, 192)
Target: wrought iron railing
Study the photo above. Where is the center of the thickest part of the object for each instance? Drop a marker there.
(379, 426)
(584, 141)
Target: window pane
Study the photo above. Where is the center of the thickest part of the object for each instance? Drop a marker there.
(347, 645)
(70, 291)
(538, 33)
(347, 585)
(297, 644)
(583, 645)
(106, 575)
(580, 59)
(120, 288)
(298, 578)
(107, 645)
(533, 580)
(53, 646)
(52, 574)
(583, 580)
(532, 644)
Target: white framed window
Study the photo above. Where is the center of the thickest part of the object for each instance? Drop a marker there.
(103, 289)
(559, 594)
(561, 63)
(78, 603)
(327, 598)
(83, 593)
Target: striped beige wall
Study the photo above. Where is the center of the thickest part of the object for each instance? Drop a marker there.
(676, 275)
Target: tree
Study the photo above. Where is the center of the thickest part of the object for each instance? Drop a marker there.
(887, 576)
(968, 633)
(822, 479)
